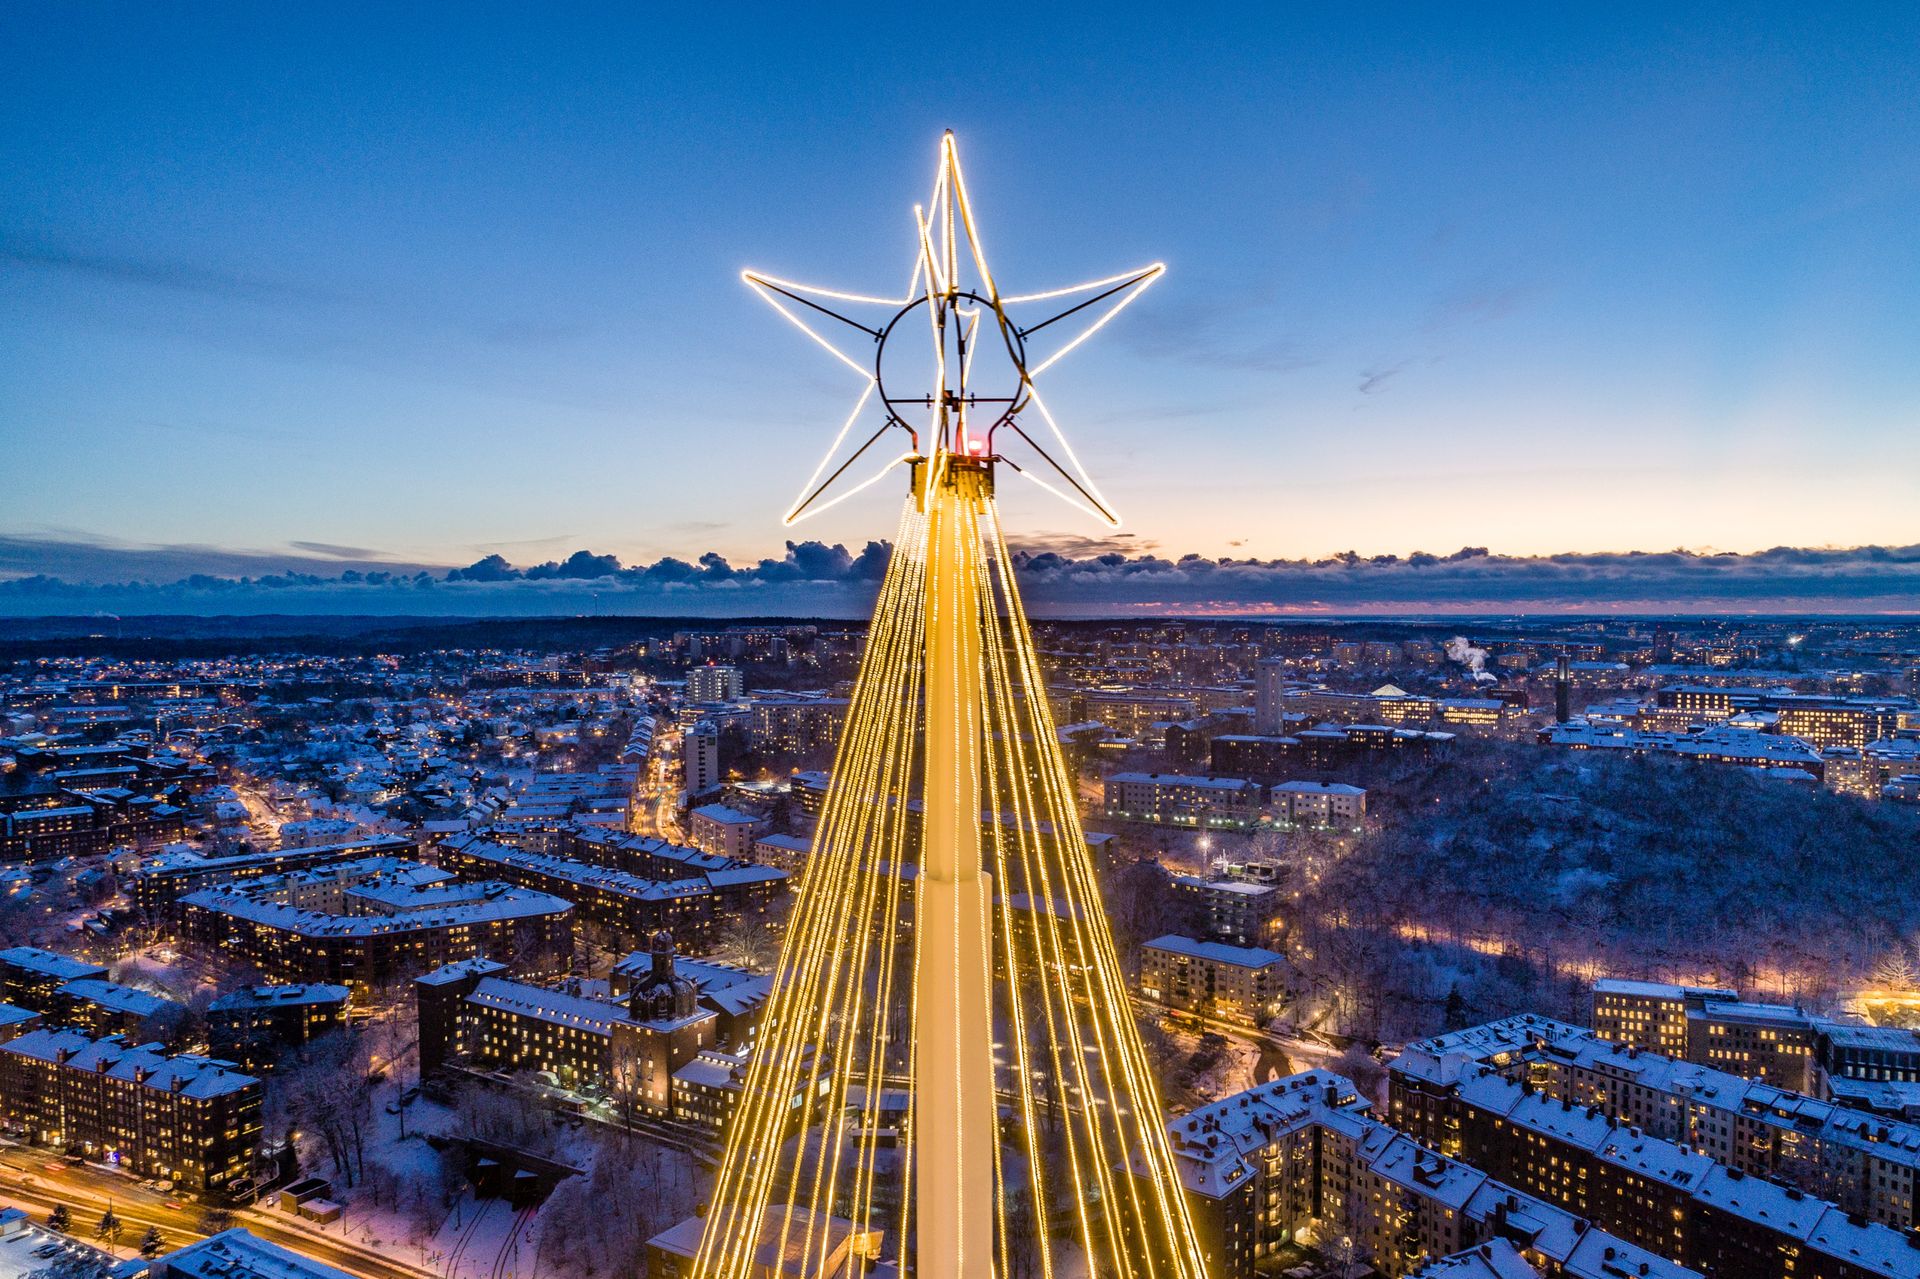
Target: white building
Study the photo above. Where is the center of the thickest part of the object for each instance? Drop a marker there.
(1320, 803)
(700, 757)
(1212, 979)
(714, 684)
(724, 830)
(1174, 799)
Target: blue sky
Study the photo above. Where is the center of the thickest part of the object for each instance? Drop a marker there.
(357, 284)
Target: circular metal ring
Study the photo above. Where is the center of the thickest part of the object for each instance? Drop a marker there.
(1016, 349)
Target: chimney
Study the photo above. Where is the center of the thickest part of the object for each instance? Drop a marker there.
(1562, 689)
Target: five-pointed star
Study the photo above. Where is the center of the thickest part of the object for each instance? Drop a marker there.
(955, 314)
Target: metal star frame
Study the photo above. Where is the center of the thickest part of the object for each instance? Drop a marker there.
(953, 406)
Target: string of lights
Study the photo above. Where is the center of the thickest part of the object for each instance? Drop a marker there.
(948, 1074)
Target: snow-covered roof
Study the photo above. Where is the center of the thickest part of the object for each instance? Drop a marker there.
(501, 902)
(115, 997)
(239, 1254)
(459, 970)
(198, 1077)
(1183, 779)
(282, 996)
(726, 815)
(556, 1007)
(48, 964)
(1495, 1259)
(1216, 952)
(1318, 788)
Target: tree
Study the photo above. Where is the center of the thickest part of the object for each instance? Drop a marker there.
(327, 1096)
(745, 942)
(214, 1220)
(1367, 1074)
(1455, 1015)
(1895, 971)
(60, 1219)
(109, 1227)
(152, 1245)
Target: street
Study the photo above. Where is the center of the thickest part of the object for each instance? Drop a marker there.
(29, 1180)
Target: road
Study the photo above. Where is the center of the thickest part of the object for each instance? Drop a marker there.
(655, 796)
(28, 1182)
(1278, 1055)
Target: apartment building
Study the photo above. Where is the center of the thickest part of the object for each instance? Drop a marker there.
(188, 1119)
(1212, 979)
(1301, 1158)
(1172, 799)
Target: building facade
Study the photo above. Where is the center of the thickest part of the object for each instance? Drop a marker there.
(187, 1119)
(1212, 979)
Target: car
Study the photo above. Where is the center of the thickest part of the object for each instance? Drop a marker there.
(53, 1165)
(174, 1204)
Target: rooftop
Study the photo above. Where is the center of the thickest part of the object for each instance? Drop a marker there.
(1216, 952)
(197, 1077)
(281, 996)
(48, 964)
(239, 1254)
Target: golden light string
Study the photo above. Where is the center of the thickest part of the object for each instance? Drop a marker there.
(873, 818)
(879, 815)
(1078, 911)
(900, 750)
(1042, 899)
(1022, 1063)
(1060, 1045)
(1163, 1172)
(1057, 1075)
(787, 1046)
(779, 1066)
(1076, 866)
(1046, 923)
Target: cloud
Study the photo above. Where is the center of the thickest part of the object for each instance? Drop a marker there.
(176, 275)
(327, 550)
(1371, 380)
(1078, 546)
(1060, 576)
(87, 557)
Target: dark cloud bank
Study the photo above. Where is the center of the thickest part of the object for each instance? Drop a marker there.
(41, 577)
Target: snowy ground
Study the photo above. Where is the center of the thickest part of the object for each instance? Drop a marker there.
(1233, 1073)
(476, 1239)
(484, 1239)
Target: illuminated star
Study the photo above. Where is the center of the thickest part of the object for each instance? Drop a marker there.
(954, 407)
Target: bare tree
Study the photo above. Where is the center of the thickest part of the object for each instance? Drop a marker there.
(328, 1098)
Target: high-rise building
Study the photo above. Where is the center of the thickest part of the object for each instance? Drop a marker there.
(700, 756)
(1269, 694)
(714, 684)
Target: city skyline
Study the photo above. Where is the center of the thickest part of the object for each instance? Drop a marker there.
(1538, 285)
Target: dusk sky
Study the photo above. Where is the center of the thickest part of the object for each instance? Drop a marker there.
(341, 284)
